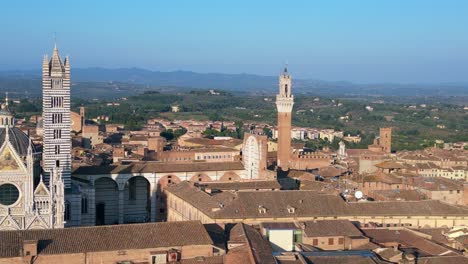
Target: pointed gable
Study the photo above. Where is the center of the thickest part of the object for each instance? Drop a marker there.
(41, 189)
(9, 223)
(9, 161)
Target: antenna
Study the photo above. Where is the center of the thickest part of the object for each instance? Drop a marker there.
(55, 40)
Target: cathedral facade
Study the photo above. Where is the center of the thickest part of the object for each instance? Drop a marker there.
(26, 202)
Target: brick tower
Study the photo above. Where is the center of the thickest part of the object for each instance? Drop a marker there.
(284, 105)
(385, 140)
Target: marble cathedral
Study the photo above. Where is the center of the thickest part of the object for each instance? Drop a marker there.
(26, 201)
(32, 197)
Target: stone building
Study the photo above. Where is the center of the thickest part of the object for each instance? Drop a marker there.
(133, 193)
(254, 155)
(187, 202)
(26, 202)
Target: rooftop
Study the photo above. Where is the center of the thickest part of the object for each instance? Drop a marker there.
(330, 228)
(155, 167)
(106, 238)
(242, 185)
(287, 204)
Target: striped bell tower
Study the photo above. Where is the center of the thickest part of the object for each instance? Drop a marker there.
(56, 117)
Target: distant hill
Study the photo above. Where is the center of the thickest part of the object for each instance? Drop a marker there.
(100, 82)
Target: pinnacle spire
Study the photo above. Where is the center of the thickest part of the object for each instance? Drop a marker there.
(6, 99)
(55, 40)
(30, 146)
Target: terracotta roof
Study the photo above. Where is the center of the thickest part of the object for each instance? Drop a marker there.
(240, 185)
(443, 260)
(408, 239)
(330, 257)
(389, 164)
(407, 208)
(321, 228)
(437, 234)
(383, 177)
(257, 246)
(342, 259)
(204, 260)
(436, 184)
(199, 199)
(155, 167)
(317, 186)
(213, 142)
(106, 238)
(287, 204)
(399, 194)
(330, 171)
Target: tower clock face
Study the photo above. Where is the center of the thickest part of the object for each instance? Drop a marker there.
(9, 194)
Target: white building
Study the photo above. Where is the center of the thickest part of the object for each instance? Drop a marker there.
(24, 205)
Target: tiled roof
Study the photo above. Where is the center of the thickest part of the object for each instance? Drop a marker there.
(155, 167)
(389, 164)
(279, 204)
(437, 184)
(240, 185)
(330, 228)
(443, 260)
(408, 239)
(256, 244)
(106, 238)
(340, 259)
(204, 260)
(399, 194)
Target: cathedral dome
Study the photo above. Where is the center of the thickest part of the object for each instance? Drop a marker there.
(18, 139)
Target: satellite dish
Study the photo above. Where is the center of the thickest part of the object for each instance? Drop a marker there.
(358, 195)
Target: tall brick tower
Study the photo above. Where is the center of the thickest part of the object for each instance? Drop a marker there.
(56, 117)
(284, 105)
(385, 140)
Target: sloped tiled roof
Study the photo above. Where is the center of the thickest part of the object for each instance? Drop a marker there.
(106, 238)
(152, 167)
(240, 185)
(330, 228)
(277, 204)
(255, 244)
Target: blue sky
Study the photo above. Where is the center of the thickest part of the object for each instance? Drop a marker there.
(359, 41)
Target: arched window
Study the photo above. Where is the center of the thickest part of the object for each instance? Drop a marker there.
(132, 189)
(67, 215)
(84, 204)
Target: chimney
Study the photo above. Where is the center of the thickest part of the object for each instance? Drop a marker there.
(29, 250)
(303, 225)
